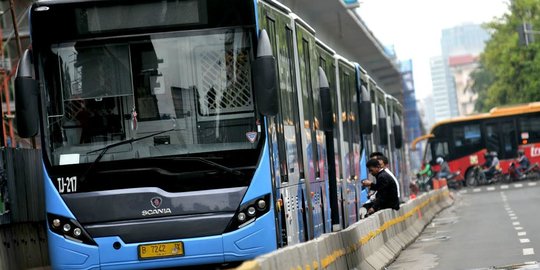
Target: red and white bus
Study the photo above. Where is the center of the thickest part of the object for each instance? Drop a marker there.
(463, 141)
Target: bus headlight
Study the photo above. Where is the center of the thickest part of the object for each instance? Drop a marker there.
(249, 212)
(69, 229)
(56, 223)
(261, 204)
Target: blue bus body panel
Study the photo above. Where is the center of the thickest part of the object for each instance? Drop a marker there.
(248, 242)
(53, 202)
(363, 175)
(66, 254)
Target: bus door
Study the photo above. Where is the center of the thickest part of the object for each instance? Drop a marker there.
(350, 146)
(501, 137)
(312, 133)
(327, 63)
(288, 159)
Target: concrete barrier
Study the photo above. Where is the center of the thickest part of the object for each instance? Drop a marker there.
(371, 243)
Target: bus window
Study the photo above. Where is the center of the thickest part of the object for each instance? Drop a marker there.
(492, 138)
(530, 129)
(509, 146)
(440, 149)
(467, 139)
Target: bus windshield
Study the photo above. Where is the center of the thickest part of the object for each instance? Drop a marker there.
(194, 87)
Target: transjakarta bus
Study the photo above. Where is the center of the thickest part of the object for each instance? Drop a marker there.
(188, 132)
(463, 141)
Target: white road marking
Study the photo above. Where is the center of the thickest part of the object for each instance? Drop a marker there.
(513, 218)
(515, 223)
(518, 228)
(524, 240)
(528, 251)
(531, 184)
(490, 188)
(477, 190)
(522, 233)
(518, 185)
(504, 187)
(463, 191)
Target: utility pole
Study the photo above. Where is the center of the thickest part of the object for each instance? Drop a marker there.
(15, 28)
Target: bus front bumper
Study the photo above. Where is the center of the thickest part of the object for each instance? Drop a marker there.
(246, 243)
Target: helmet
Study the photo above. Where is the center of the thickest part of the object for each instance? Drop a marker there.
(493, 153)
(440, 160)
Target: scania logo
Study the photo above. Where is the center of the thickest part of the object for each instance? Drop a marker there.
(156, 202)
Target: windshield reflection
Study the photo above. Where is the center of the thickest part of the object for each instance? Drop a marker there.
(100, 94)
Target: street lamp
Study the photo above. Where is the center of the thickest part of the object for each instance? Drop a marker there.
(526, 34)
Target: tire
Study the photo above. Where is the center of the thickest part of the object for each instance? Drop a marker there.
(506, 179)
(470, 178)
(481, 178)
(534, 176)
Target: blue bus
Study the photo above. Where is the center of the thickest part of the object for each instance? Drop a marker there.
(190, 132)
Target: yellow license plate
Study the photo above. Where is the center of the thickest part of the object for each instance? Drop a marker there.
(162, 250)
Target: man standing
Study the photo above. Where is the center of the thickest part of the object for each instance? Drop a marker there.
(385, 186)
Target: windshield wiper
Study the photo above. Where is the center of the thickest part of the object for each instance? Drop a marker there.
(113, 145)
(208, 162)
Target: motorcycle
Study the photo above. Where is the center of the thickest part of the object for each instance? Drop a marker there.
(532, 173)
(453, 182)
(477, 177)
(424, 182)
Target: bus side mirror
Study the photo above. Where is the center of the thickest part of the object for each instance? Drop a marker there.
(383, 126)
(326, 102)
(264, 75)
(366, 125)
(26, 98)
(398, 131)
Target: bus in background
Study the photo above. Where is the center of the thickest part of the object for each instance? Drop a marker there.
(196, 136)
(463, 141)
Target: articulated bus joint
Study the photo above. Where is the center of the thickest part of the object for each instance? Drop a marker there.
(249, 212)
(70, 229)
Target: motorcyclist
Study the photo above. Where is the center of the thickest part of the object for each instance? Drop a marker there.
(493, 167)
(424, 176)
(444, 170)
(523, 162)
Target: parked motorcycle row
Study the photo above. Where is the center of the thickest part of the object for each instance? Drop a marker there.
(477, 176)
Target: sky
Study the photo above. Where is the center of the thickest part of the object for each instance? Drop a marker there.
(414, 27)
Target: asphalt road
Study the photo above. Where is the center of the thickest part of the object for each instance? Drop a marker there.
(486, 228)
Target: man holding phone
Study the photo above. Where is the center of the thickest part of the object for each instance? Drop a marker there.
(385, 186)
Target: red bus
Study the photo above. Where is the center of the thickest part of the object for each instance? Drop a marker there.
(463, 141)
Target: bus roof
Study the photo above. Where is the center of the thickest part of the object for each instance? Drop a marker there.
(495, 112)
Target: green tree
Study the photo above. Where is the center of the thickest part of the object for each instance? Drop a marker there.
(509, 73)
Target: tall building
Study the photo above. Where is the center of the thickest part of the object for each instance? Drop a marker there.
(427, 112)
(466, 39)
(461, 68)
(442, 96)
(412, 120)
(463, 39)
